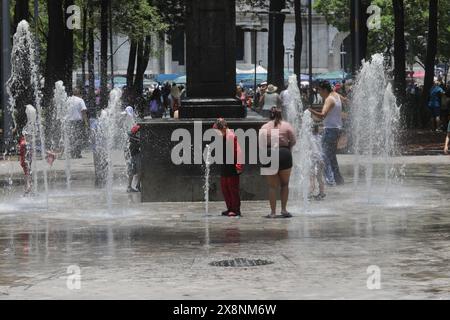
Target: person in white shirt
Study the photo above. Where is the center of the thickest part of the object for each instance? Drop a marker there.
(269, 100)
(78, 123)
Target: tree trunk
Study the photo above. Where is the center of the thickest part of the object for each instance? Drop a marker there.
(431, 53)
(21, 12)
(104, 53)
(84, 53)
(364, 30)
(68, 50)
(298, 39)
(54, 66)
(130, 70)
(143, 59)
(359, 32)
(111, 43)
(276, 44)
(91, 63)
(399, 51)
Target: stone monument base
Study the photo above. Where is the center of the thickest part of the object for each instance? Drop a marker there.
(211, 109)
(163, 181)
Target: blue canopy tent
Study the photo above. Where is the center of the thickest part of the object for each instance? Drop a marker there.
(161, 78)
(247, 80)
(334, 77)
(180, 80)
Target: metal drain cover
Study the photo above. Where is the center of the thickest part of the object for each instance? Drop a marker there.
(240, 263)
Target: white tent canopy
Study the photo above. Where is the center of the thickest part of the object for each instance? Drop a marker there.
(249, 69)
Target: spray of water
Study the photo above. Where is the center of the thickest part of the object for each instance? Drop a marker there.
(305, 159)
(375, 120)
(62, 109)
(31, 129)
(111, 128)
(294, 114)
(23, 89)
(207, 175)
(302, 123)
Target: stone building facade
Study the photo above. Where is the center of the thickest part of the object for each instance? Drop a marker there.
(170, 58)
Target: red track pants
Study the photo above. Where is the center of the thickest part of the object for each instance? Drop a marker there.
(230, 190)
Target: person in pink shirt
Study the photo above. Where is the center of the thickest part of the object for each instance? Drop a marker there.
(286, 140)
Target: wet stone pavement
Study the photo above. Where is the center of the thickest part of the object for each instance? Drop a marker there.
(168, 251)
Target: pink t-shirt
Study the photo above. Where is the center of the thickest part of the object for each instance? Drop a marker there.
(285, 133)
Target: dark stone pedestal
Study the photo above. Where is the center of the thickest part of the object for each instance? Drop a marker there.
(211, 48)
(211, 109)
(163, 181)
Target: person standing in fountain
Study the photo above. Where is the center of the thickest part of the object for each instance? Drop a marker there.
(230, 172)
(332, 119)
(447, 140)
(78, 123)
(25, 156)
(286, 141)
(134, 160)
(434, 105)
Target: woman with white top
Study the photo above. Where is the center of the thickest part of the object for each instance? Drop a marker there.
(332, 121)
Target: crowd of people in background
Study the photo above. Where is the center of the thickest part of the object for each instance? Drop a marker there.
(165, 101)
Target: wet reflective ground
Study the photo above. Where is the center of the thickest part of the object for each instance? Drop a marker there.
(164, 251)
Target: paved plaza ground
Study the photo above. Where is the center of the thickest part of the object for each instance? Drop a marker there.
(165, 251)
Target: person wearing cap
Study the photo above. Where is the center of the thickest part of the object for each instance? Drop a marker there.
(230, 172)
(269, 100)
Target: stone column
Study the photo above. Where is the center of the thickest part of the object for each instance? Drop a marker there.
(167, 56)
(248, 47)
(211, 48)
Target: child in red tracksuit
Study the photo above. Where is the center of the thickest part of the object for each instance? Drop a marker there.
(230, 172)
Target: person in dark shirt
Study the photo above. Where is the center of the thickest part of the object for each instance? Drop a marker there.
(230, 172)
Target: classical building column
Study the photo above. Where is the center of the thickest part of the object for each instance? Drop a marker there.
(155, 56)
(167, 56)
(248, 47)
(334, 59)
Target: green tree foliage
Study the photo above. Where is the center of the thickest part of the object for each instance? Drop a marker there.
(337, 13)
(137, 18)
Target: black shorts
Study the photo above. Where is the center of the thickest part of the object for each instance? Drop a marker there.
(285, 158)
